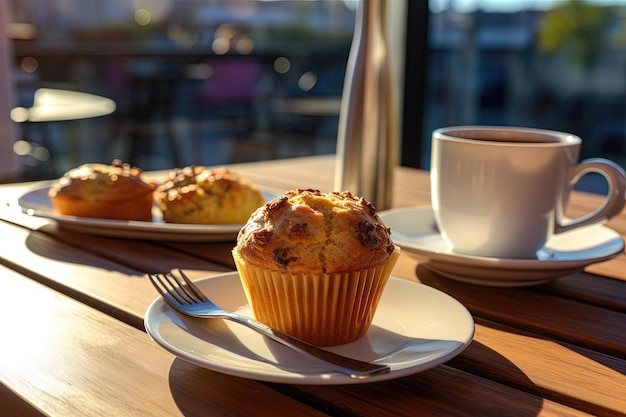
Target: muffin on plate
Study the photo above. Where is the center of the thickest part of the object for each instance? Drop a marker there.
(314, 265)
(196, 194)
(115, 191)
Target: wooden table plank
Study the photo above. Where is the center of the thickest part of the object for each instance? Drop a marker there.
(591, 289)
(574, 322)
(143, 256)
(218, 253)
(105, 273)
(439, 391)
(542, 345)
(308, 172)
(546, 367)
(65, 358)
(15, 404)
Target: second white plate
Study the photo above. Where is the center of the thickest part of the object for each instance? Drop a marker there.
(407, 312)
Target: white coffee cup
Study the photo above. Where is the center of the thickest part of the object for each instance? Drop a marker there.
(501, 192)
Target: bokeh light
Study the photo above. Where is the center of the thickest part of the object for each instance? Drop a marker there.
(282, 65)
(19, 114)
(29, 64)
(21, 148)
(307, 81)
(245, 45)
(142, 17)
(220, 46)
(32, 151)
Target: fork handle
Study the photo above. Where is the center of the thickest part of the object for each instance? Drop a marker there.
(353, 367)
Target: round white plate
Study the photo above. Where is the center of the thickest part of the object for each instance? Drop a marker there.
(407, 311)
(37, 203)
(415, 231)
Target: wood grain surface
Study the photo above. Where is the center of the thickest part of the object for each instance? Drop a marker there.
(79, 349)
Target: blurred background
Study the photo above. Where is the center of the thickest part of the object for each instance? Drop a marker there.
(210, 82)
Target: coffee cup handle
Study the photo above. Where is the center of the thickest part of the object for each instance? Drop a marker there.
(615, 199)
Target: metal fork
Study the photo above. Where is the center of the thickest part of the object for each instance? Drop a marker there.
(183, 295)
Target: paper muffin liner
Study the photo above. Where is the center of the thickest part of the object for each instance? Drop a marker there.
(322, 309)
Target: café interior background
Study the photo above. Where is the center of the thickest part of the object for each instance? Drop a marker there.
(211, 82)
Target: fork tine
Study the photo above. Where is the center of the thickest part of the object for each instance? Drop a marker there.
(172, 287)
(163, 289)
(191, 286)
(178, 287)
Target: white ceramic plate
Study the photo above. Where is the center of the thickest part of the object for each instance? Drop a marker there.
(415, 231)
(407, 311)
(37, 203)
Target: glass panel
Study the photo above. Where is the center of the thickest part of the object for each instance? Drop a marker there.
(548, 64)
(194, 81)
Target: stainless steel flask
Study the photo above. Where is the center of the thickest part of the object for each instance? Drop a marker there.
(366, 139)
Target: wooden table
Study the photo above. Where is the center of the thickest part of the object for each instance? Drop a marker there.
(73, 342)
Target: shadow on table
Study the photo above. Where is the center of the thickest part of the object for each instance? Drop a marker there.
(198, 391)
(127, 256)
(541, 312)
(531, 315)
(437, 391)
(443, 390)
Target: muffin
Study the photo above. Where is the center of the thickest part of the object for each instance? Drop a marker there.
(314, 265)
(200, 195)
(115, 191)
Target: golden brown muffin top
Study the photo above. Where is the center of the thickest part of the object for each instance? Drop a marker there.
(99, 182)
(196, 194)
(307, 231)
(188, 180)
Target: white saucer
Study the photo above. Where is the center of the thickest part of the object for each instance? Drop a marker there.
(407, 311)
(415, 231)
(37, 203)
